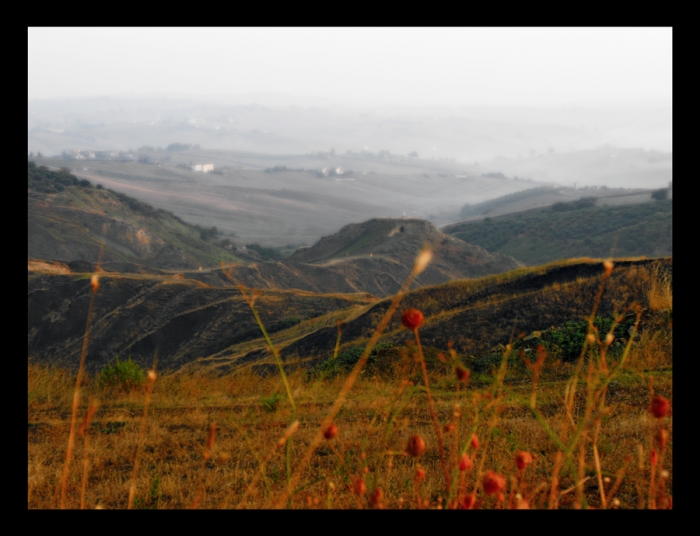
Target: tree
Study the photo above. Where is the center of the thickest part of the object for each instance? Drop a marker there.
(660, 195)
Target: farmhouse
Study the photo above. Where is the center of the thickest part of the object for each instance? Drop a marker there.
(204, 168)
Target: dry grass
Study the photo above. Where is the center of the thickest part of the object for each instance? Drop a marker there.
(226, 441)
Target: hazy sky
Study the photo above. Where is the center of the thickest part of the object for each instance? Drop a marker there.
(358, 66)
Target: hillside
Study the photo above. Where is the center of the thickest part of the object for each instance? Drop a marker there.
(69, 219)
(372, 257)
(475, 316)
(188, 322)
(138, 315)
(537, 237)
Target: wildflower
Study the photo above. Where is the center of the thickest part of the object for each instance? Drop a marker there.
(412, 318)
(331, 431)
(523, 459)
(449, 427)
(95, 282)
(375, 499)
(659, 406)
(151, 376)
(474, 442)
(465, 462)
(462, 373)
(664, 474)
(415, 446)
(420, 475)
(469, 501)
(609, 339)
(359, 486)
(493, 483)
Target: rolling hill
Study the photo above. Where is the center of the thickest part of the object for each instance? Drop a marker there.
(69, 220)
(190, 323)
(584, 230)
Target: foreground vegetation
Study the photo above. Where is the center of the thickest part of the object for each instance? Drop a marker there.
(537, 428)
(577, 229)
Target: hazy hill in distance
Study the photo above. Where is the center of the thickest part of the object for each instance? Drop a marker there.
(70, 219)
(293, 204)
(576, 229)
(467, 134)
(370, 257)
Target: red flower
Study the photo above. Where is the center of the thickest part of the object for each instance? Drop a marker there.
(462, 373)
(475, 442)
(653, 457)
(659, 406)
(415, 446)
(331, 431)
(412, 318)
(375, 499)
(493, 483)
(523, 459)
(359, 486)
(469, 501)
(465, 462)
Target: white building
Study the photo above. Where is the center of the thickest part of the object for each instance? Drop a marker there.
(205, 168)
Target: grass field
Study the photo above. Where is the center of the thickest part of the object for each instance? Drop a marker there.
(534, 432)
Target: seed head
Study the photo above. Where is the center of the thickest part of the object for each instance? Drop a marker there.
(95, 282)
(151, 376)
(608, 265)
(609, 338)
(659, 406)
(664, 474)
(616, 502)
(521, 504)
(493, 483)
(462, 373)
(331, 431)
(412, 318)
(523, 459)
(465, 462)
(422, 260)
(415, 446)
(287, 433)
(590, 338)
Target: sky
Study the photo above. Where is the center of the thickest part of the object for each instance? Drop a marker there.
(360, 67)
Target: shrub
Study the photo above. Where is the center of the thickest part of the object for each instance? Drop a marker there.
(660, 195)
(122, 375)
(347, 359)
